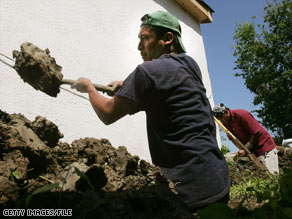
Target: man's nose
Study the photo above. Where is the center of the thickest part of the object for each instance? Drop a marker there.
(140, 47)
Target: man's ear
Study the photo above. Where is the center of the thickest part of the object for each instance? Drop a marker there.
(168, 38)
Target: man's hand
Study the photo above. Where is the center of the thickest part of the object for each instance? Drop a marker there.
(116, 85)
(241, 153)
(82, 85)
(248, 145)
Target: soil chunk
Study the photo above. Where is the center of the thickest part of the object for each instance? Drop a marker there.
(38, 68)
(47, 131)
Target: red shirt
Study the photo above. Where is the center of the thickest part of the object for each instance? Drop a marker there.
(243, 125)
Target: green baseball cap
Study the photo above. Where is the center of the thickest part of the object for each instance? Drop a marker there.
(166, 20)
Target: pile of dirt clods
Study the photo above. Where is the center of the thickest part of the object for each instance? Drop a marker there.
(90, 176)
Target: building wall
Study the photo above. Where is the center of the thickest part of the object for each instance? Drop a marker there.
(95, 39)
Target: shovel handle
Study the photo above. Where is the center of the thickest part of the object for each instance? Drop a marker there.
(109, 90)
(241, 146)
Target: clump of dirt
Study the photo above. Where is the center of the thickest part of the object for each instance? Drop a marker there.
(47, 131)
(89, 176)
(38, 68)
(243, 169)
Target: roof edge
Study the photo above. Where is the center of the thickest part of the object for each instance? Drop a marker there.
(198, 9)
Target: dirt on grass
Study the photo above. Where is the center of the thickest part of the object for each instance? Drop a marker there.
(89, 176)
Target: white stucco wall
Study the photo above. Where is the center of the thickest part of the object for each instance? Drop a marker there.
(95, 39)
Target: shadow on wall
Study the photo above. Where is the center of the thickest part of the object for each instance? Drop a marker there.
(175, 9)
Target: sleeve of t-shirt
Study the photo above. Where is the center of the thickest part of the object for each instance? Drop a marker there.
(136, 87)
(249, 123)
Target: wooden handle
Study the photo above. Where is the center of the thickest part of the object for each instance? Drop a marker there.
(241, 146)
(99, 87)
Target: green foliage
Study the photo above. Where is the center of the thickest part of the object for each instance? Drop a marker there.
(275, 192)
(229, 163)
(264, 190)
(224, 149)
(42, 189)
(286, 188)
(278, 140)
(218, 210)
(15, 174)
(49, 187)
(82, 175)
(264, 58)
(235, 158)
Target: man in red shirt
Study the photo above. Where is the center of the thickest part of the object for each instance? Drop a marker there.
(248, 130)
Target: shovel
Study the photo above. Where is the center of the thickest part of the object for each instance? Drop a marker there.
(241, 146)
(40, 70)
(106, 89)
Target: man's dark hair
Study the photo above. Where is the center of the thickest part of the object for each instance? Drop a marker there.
(160, 31)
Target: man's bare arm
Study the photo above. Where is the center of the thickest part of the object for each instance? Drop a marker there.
(108, 110)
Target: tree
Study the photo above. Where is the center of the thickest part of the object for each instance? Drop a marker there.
(264, 58)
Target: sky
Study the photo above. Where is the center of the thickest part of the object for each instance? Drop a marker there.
(218, 39)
